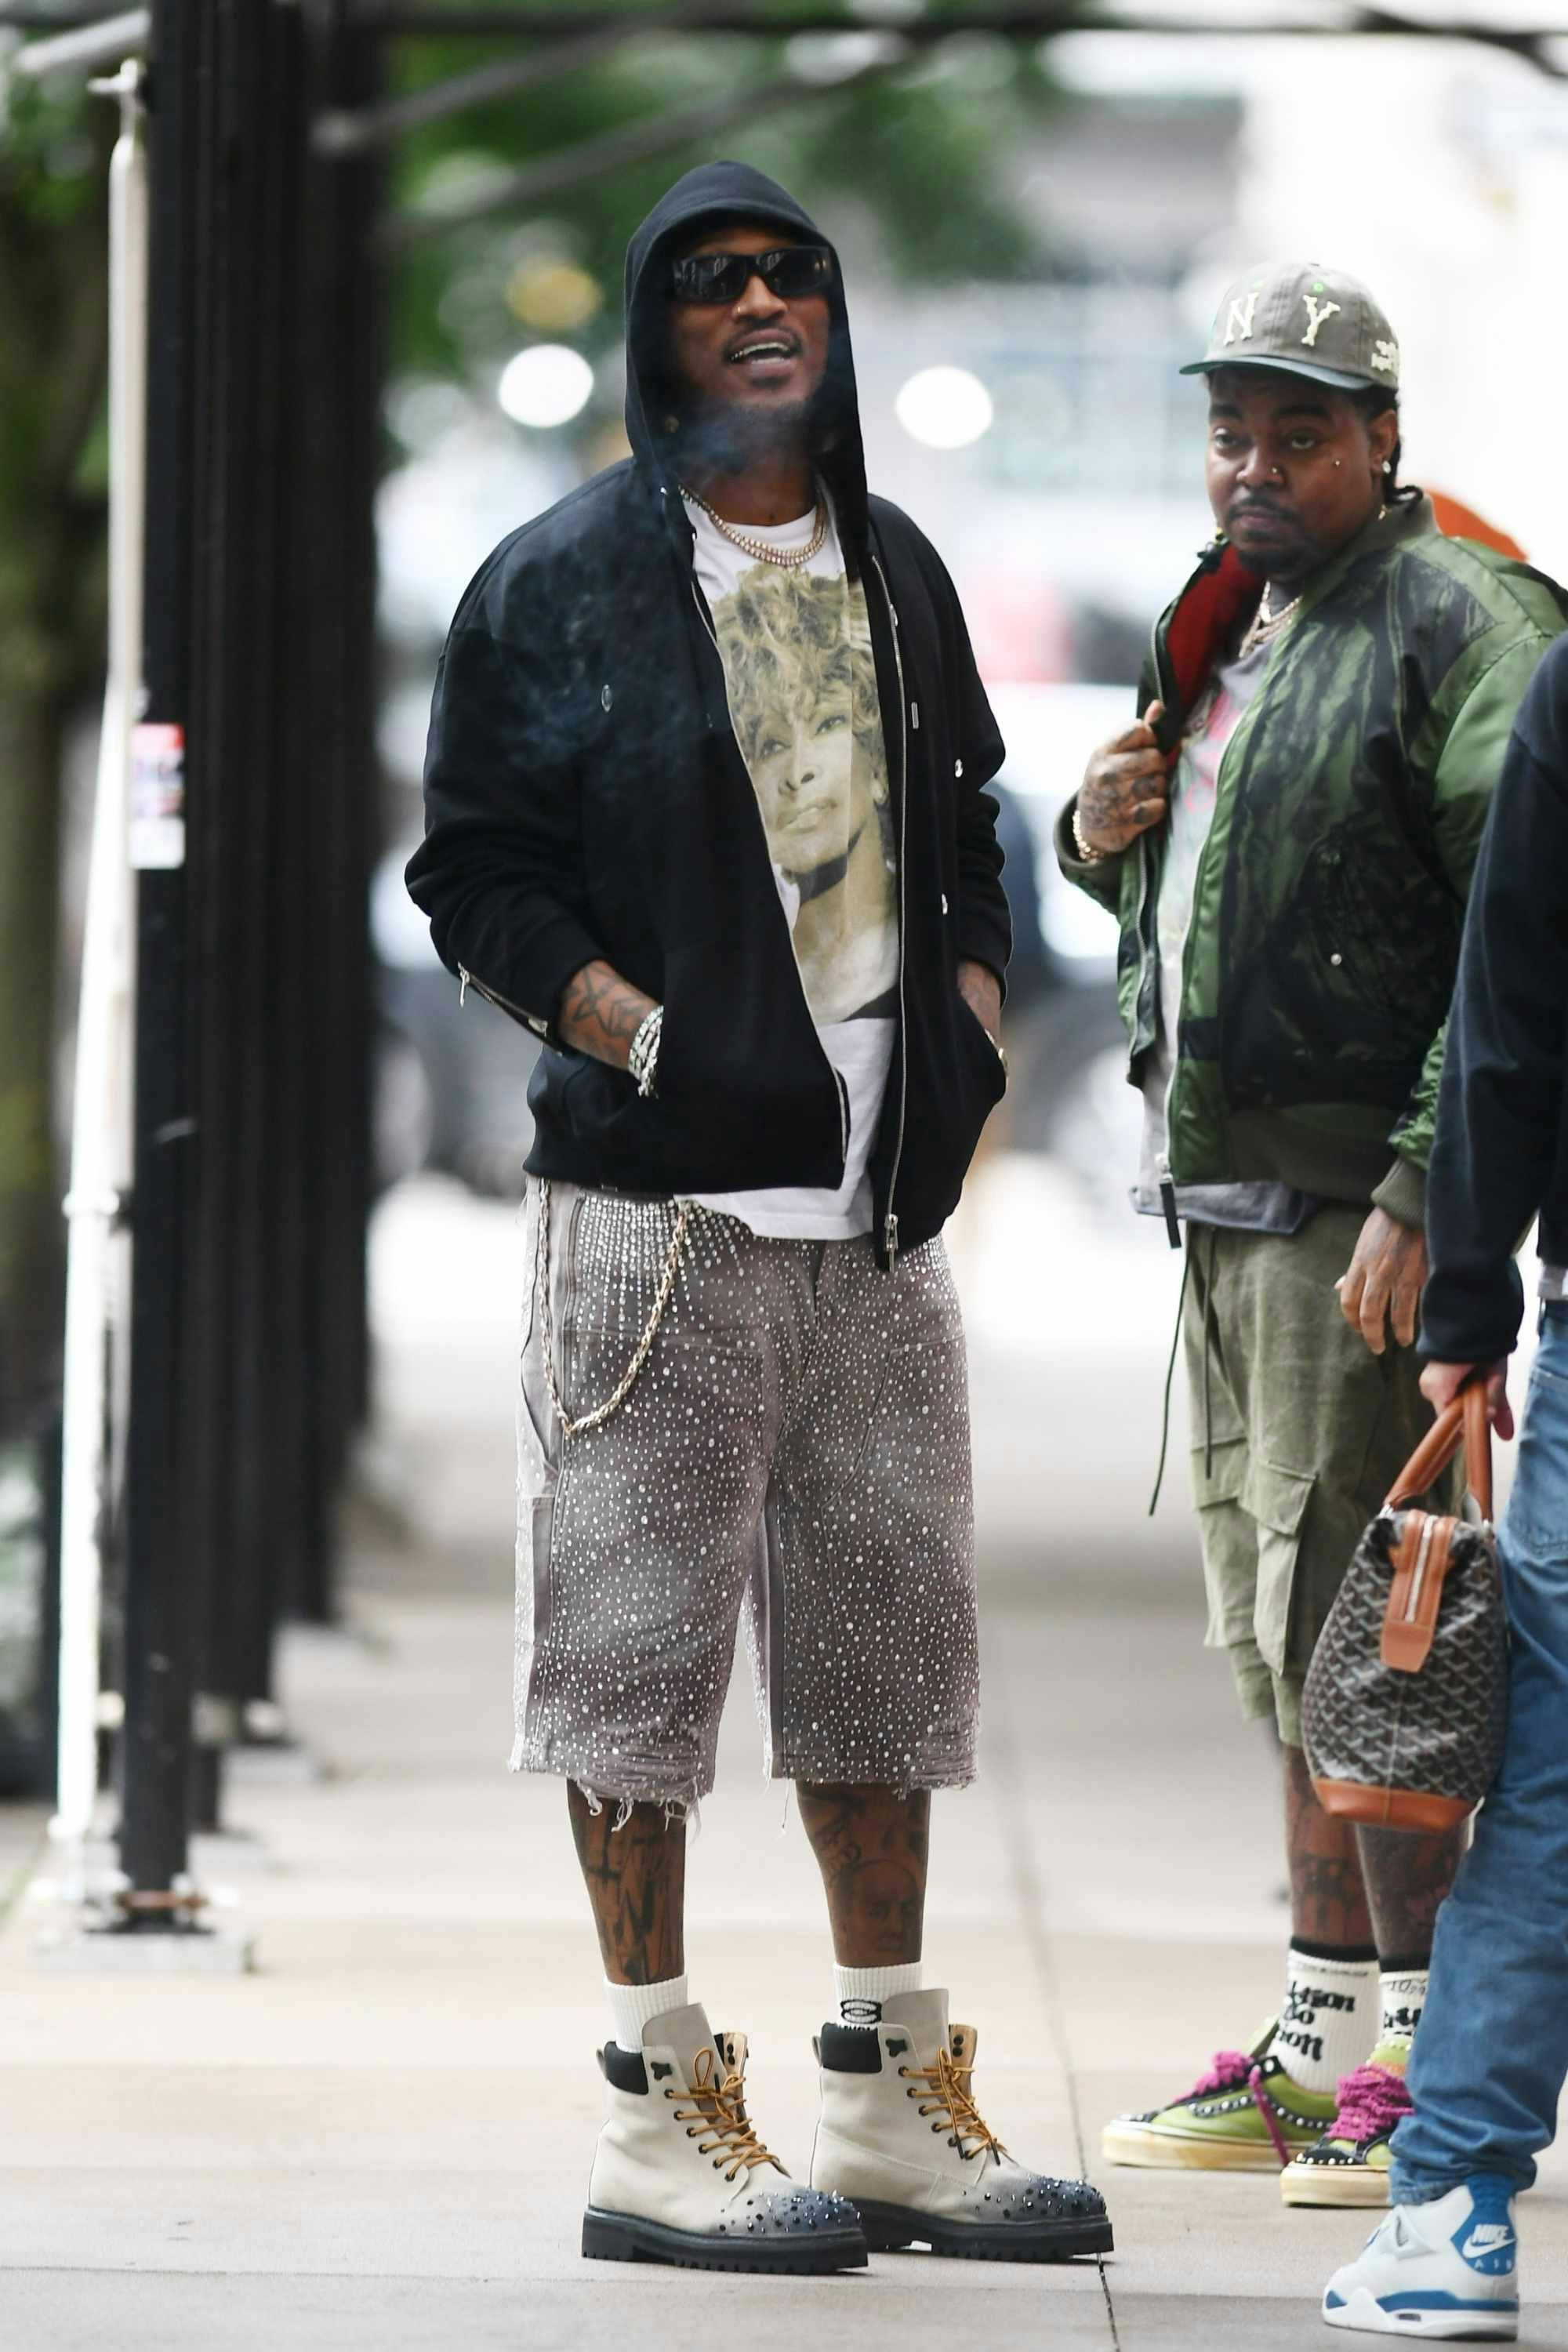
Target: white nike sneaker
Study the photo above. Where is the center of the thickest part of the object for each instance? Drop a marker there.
(902, 2138)
(680, 2176)
(1445, 2268)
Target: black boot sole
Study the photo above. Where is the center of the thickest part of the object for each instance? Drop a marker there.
(890, 2228)
(623, 2238)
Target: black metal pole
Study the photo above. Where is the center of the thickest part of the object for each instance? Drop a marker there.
(160, 1617)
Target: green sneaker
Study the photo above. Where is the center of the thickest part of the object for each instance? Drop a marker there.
(1350, 2165)
(1245, 2115)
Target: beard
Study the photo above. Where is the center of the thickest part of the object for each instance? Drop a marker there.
(732, 438)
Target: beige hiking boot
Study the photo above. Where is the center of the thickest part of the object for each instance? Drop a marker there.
(902, 2138)
(679, 2175)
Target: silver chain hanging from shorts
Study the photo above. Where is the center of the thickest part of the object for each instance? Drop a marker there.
(644, 1348)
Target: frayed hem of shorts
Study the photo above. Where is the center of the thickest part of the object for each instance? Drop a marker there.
(675, 1809)
(682, 1804)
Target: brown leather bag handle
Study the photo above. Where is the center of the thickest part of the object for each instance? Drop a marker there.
(1465, 1422)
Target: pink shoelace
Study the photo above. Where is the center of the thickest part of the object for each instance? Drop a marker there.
(1372, 2102)
(1230, 2070)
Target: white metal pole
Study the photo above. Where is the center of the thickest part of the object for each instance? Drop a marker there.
(97, 1282)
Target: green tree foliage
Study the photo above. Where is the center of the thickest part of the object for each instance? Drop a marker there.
(918, 152)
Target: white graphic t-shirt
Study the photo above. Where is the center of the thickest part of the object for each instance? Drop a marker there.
(802, 687)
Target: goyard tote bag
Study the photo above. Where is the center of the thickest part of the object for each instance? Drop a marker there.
(1406, 1696)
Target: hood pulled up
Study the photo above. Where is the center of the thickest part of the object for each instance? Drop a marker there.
(715, 193)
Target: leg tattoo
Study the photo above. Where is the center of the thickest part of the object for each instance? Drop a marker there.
(636, 1878)
(1406, 1878)
(871, 1847)
(1327, 1894)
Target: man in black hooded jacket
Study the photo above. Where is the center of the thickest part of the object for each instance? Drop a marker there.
(705, 809)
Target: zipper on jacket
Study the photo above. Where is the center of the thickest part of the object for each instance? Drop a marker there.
(502, 1004)
(890, 1222)
(1143, 850)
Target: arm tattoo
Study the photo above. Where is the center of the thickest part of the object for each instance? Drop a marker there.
(636, 1878)
(600, 1014)
(872, 1846)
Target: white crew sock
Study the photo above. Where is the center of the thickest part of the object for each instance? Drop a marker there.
(860, 1992)
(1401, 1995)
(1328, 2019)
(631, 2006)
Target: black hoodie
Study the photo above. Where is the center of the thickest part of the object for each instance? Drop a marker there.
(585, 798)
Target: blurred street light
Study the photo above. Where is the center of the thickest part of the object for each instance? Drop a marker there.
(553, 296)
(547, 385)
(944, 408)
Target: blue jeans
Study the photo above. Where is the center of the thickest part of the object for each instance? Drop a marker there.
(1491, 2054)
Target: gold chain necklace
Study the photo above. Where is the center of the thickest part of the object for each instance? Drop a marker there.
(759, 552)
(1264, 622)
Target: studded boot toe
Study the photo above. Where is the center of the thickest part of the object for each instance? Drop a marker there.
(900, 2135)
(681, 2175)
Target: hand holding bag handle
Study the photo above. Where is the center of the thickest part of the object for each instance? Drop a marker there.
(1465, 1421)
(1420, 1558)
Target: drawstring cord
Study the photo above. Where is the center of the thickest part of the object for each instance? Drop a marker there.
(1208, 1354)
(1208, 1358)
(1170, 1376)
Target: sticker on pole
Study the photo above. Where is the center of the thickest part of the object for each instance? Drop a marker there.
(157, 827)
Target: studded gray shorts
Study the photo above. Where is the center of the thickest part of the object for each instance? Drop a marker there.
(798, 1438)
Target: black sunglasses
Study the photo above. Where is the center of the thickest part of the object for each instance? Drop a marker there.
(790, 272)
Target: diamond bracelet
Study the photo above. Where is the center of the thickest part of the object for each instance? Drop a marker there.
(642, 1055)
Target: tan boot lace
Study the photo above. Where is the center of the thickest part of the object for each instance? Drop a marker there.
(720, 2111)
(944, 2091)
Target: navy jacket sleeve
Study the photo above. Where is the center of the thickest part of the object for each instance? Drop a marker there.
(501, 871)
(1502, 1106)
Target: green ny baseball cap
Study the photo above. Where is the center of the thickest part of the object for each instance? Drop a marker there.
(1311, 321)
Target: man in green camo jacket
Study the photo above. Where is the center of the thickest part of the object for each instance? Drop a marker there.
(1286, 837)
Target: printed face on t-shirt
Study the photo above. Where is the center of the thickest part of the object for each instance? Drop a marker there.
(800, 749)
(802, 687)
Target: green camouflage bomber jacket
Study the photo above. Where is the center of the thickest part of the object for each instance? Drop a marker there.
(1330, 895)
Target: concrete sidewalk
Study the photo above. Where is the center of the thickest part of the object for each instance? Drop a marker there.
(381, 2139)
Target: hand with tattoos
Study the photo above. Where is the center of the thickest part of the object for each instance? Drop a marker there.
(600, 1014)
(1125, 789)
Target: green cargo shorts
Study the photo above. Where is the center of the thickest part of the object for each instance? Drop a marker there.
(1298, 1431)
